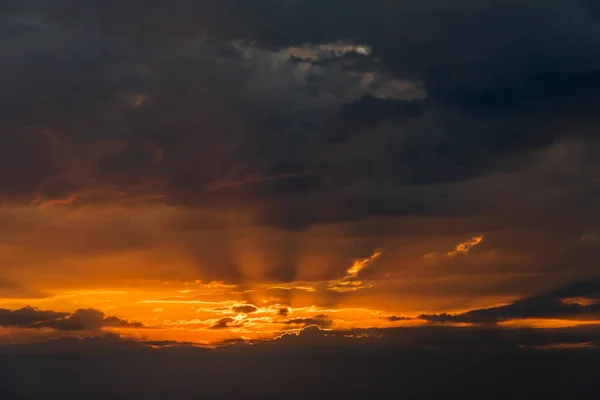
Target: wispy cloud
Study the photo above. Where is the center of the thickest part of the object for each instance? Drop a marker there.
(350, 282)
(362, 263)
(465, 247)
(461, 248)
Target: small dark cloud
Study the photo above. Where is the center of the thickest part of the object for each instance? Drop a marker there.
(226, 322)
(245, 309)
(284, 311)
(320, 320)
(395, 318)
(222, 323)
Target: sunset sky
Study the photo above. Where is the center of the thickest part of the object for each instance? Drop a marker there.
(207, 173)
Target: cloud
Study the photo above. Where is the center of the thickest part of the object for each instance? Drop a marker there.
(320, 320)
(269, 141)
(326, 51)
(277, 118)
(245, 309)
(28, 316)
(351, 283)
(79, 320)
(228, 322)
(368, 113)
(465, 247)
(87, 319)
(312, 336)
(328, 129)
(461, 248)
(396, 318)
(578, 300)
(283, 311)
(361, 264)
(143, 373)
(440, 338)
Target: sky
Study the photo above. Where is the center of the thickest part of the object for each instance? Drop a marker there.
(366, 174)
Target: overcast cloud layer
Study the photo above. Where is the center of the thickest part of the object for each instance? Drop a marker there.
(242, 168)
(296, 114)
(368, 197)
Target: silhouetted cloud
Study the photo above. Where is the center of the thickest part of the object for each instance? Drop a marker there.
(475, 338)
(291, 125)
(320, 320)
(581, 299)
(362, 362)
(79, 320)
(246, 309)
(28, 316)
(284, 311)
(472, 119)
(395, 318)
(227, 322)
(274, 91)
(118, 367)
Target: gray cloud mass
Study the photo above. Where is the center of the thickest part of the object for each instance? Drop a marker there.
(303, 114)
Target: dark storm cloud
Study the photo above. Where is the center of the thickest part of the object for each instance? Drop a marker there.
(80, 320)
(579, 300)
(460, 110)
(367, 113)
(103, 84)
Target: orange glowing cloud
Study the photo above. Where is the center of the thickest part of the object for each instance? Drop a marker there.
(361, 264)
(581, 301)
(350, 283)
(461, 248)
(465, 247)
